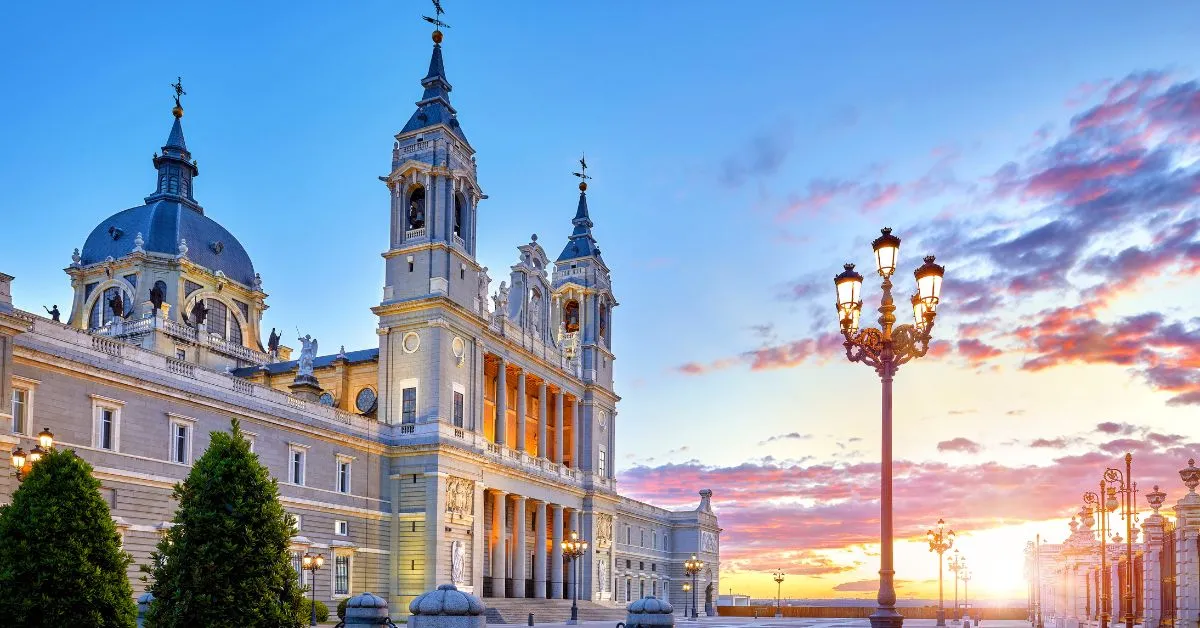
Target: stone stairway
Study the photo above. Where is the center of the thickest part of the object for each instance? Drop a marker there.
(516, 611)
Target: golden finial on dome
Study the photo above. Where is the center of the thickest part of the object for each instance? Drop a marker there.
(582, 174)
(177, 110)
(437, 22)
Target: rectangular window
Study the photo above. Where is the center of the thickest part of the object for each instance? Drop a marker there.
(409, 409)
(641, 537)
(298, 566)
(296, 523)
(602, 468)
(459, 403)
(20, 410)
(341, 528)
(217, 314)
(296, 466)
(343, 475)
(656, 539)
(341, 574)
(181, 442)
(106, 423)
(180, 354)
(628, 535)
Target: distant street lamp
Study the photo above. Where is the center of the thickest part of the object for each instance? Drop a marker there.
(687, 586)
(957, 562)
(692, 568)
(885, 350)
(778, 590)
(1122, 484)
(573, 548)
(940, 541)
(1102, 506)
(965, 576)
(311, 563)
(23, 462)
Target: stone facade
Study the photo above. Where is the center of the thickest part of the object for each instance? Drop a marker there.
(462, 449)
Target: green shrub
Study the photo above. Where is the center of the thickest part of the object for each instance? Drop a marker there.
(61, 562)
(341, 610)
(228, 551)
(306, 611)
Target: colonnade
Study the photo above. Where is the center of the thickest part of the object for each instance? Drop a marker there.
(514, 568)
(557, 437)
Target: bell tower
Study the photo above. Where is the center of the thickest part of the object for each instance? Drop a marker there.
(434, 199)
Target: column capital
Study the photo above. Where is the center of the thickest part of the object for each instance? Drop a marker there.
(518, 497)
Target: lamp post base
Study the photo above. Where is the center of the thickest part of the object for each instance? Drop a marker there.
(886, 618)
(941, 617)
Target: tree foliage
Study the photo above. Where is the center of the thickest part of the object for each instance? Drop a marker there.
(61, 562)
(225, 562)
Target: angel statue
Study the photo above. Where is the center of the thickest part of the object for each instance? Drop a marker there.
(308, 352)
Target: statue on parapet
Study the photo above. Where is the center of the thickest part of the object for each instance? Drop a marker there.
(54, 313)
(157, 296)
(273, 344)
(199, 313)
(308, 353)
(117, 305)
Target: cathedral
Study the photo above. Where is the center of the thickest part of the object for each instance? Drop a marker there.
(464, 448)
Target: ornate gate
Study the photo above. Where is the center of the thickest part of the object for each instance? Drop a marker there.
(1166, 566)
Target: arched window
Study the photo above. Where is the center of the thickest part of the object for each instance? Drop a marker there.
(571, 316)
(459, 217)
(220, 322)
(416, 208)
(103, 308)
(604, 310)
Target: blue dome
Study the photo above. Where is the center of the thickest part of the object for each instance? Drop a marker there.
(163, 224)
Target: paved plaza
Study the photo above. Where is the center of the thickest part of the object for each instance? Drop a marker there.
(796, 622)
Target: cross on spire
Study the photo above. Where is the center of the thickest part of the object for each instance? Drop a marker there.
(582, 174)
(438, 11)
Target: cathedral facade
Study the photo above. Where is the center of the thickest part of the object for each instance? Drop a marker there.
(464, 448)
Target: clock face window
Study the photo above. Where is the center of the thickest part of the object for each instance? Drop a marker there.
(365, 401)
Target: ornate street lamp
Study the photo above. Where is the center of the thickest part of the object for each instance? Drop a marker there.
(311, 563)
(1096, 502)
(687, 586)
(692, 568)
(573, 548)
(778, 589)
(1121, 484)
(940, 541)
(885, 350)
(1037, 562)
(957, 562)
(23, 462)
(965, 576)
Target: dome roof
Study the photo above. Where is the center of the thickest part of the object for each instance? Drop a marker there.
(163, 223)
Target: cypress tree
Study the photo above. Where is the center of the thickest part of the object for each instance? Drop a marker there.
(225, 562)
(61, 562)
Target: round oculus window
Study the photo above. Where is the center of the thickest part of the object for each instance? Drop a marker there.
(458, 347)
(411, 342)
(326, 399)
(365, 401)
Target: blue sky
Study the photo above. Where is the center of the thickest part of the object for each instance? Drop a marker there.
(702, 127)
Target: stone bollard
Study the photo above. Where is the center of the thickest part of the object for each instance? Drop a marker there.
(649, 611)
(367, 609)
(143, 603)
(447, 607)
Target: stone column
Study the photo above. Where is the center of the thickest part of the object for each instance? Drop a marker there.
(477, 538)
(502, 403)
(1187, 567)
(521, 407)
(499, 538)
(576, 436)
(573, 527)
(519, 550)
(556, 555)
(542, 450)
(539, 555)
(477, 419)
(612, 444)
(558, 427)
(1152, 533)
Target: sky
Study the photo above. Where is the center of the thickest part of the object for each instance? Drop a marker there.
(1047, 153)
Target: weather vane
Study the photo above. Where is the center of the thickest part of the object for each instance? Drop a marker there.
(437, 19)
(582, 174)
(178, 85)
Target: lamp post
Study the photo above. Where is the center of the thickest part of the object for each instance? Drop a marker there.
(573, 548)
(23, 462)
(940, 541)
(965, 576)
(1122, 484)
(778, 590)
(957, 562)
(1037, 567)
(692, 568)
(1102, 503)
(885, 350)
(687, 586)
(311, 563)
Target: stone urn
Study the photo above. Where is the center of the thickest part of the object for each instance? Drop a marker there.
(649, 611)
(367, 609)
(447, 607)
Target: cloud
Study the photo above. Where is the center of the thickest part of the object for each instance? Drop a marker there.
(1048, 443)
(761, 157)
(857, 586)
(960, 444)
(1111, 427)
(785, 355)
(976, 352)
(788, 436)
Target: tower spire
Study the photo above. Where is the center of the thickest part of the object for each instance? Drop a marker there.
(434, 107)
(175, 166)
(581, 243)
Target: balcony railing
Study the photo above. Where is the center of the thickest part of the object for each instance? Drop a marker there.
(414, 234)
